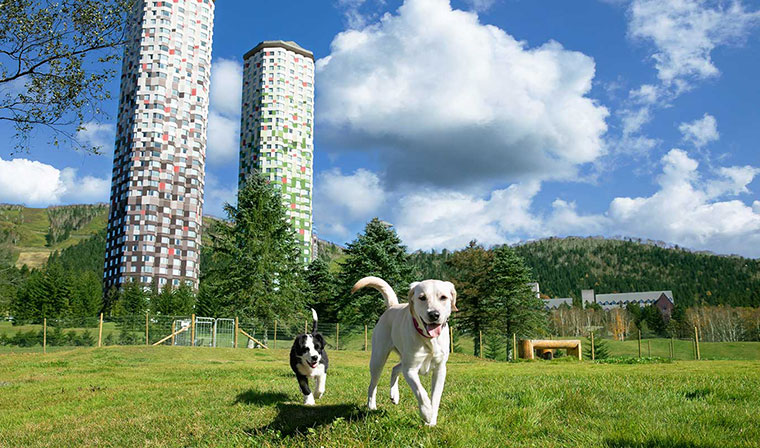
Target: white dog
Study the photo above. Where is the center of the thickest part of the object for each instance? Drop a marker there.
(418, 332)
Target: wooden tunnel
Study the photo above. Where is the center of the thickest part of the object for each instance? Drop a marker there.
(528, 347)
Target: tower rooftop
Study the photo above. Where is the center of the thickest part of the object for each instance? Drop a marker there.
(289, 45)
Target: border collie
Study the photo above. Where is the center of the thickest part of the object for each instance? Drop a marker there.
(308, 358)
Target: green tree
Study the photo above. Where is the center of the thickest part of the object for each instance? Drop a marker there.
(255, 268)
(321, 289)
(174, 301)
(601, 348)
(132, 299)
(379, 252)
(471, 268)
(87, 296)
(57, 60)
(511, 304)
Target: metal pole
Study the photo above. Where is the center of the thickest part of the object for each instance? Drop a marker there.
(44, 335)
(100, 330)
(192, 331)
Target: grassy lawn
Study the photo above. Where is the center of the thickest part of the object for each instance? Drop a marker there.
(173, 396)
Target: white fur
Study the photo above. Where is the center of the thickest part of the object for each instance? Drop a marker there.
(395, 332)
(306, 357)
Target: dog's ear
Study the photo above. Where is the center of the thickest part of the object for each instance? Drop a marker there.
(411, 291)
(453, 296)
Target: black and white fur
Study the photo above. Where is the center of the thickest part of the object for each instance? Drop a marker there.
(308, 358)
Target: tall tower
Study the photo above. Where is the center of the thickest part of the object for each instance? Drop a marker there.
(277, 127)
(157, 182)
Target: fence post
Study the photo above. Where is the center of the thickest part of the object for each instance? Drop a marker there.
(237, 325)
(696, 342)
(639, 343)
(174, 329)
(147, 342)
(593, 354)
(514, 347)
(481, 343)
(192, 330)
(100, 330)
(44, 335)
(451, 339)
(365, 337)
(275, 333)
(337, 334)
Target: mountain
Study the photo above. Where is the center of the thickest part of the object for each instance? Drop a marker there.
(29, 235)
(564, 266)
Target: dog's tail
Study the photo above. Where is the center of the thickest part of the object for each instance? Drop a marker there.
(379, 284)
(314, 321)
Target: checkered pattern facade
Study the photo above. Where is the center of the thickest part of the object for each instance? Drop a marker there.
(159, 156)
(277, 128)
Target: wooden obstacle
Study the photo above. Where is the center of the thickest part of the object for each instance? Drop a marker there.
(546, 347)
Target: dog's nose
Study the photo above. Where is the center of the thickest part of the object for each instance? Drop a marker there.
(434, 315)
(314, 358)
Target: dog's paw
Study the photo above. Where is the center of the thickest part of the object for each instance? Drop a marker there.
(319, 394)
(372, 405)
(426, 412)
(394, 395)
(308, 400)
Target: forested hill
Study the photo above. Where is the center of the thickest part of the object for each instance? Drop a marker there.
(564, 266)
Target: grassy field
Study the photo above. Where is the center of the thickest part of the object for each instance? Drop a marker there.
(171, 396)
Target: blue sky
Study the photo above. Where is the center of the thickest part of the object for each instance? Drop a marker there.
(500, 120)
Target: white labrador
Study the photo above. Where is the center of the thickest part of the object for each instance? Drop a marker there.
(418, 332)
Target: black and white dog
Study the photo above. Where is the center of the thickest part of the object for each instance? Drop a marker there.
(308, 358)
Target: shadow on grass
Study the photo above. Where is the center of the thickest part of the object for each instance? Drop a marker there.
(296, 419)
(655, 442)
(260, 398)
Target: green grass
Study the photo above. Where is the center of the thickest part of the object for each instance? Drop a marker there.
(171, 396)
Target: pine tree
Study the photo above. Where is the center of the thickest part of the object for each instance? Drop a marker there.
(511, 304)
(471, 269)
(133, 299)
(255, 268)
(87, 297)
(321, 289)
(379, 252)
(601, 348)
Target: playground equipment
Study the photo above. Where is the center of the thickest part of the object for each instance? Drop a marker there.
(545, 347)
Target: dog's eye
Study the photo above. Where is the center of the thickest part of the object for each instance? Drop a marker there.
(422, 297)
(444, 298)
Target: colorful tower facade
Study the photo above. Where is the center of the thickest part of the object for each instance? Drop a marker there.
(154, 225)
(277, 127)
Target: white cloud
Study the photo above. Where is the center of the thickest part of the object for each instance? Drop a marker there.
(97, 134)
(687, 209)
(685, 32)
(223, 138)
(33, 183)
(454, 102)
(700, 132)
(224, 111)
(341, 199)
(226, 86)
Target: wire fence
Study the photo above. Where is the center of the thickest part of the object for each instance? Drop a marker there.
(226, 332)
